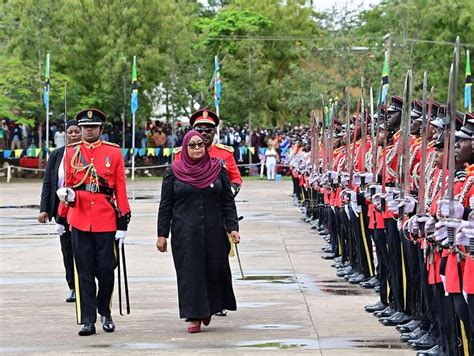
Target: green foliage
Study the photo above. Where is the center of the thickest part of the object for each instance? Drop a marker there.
(277, 58)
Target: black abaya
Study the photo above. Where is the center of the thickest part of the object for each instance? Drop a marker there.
(197, 220)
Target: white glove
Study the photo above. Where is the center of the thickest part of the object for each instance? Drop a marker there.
(356, 208)
(356, 179)
(60, 229)
(430, 225)
(66, 195)
(352, 196)
(120, 235)
(344, 179)
(392, 205)
(416, 221)
(468, 232)
(461, 238)
(444, 209)
(441, 233)
(377, 200)
(368, 177)
(412, 225)
(408, 204)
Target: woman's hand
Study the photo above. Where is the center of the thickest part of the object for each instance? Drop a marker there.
(235, 236)
(161, 244)
(43, 217)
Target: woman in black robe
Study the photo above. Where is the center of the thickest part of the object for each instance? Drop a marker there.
(197, 206)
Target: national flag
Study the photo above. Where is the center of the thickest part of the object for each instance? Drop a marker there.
(385, 82)
(217, 83)
(327, 113)
(46, 83)
(468, 85)
(134, 96)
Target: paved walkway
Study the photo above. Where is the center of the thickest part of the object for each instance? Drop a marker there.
(290, 301)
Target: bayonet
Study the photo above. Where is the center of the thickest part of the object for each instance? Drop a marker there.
(356, 126)
(316, 148)
(373, 135)
(404, 166)
(452, 128)
(425, 116)
(348, 131)
(363, 128)
(452, 95)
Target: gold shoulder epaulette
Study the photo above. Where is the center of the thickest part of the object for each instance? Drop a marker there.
(176, 150)
(110, 144)
(224, 147)
(74, 143)
(470, 169)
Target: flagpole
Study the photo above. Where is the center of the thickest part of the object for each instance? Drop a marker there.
(468, 84)
(216, 99)
(133, 147)
(47, 106)
(65, 105)
(133, 108)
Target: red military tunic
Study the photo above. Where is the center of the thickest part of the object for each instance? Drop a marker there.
(93, 211)
(222, 152)
(376, 218)
(466, 193)
(452, 268)
(433, 260)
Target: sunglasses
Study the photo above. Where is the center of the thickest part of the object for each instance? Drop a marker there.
(207, 130)
(194, 145)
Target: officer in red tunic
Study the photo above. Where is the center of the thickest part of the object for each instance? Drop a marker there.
(95, 192)
(205, 122)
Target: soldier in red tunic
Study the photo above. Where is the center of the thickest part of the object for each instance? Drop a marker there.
(95, 192)
(205, 121)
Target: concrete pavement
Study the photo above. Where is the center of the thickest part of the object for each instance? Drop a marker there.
(290, 301)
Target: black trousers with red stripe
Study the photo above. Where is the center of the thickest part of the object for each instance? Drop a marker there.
(94, 257)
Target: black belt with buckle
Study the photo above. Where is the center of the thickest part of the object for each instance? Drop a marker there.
(96, 189)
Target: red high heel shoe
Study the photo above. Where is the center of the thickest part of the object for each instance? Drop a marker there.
(206, 321)
(194, 328)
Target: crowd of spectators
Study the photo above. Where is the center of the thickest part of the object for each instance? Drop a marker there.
(158, 134)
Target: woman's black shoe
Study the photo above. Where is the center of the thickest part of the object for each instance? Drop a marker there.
(87, 329)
